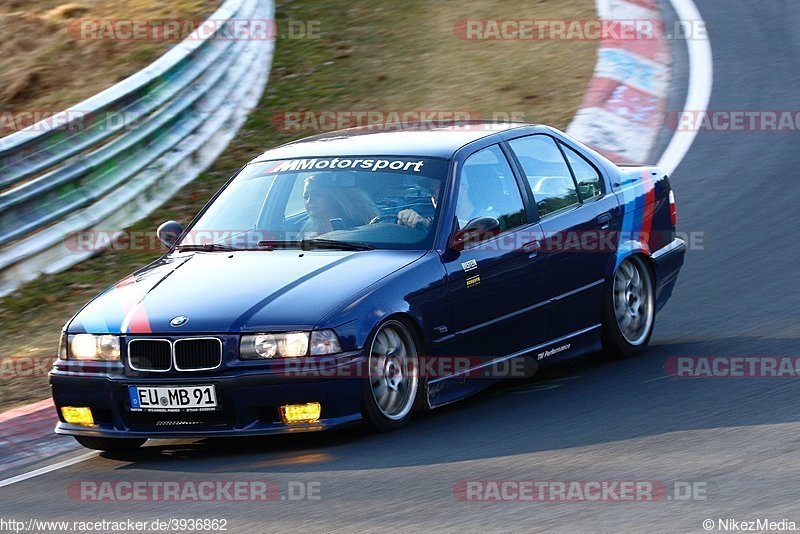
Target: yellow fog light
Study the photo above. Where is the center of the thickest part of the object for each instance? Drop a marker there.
(301, 413)
(77, 416)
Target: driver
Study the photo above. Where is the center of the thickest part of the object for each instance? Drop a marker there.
(411, 219)
(475, 193)
(332, 207)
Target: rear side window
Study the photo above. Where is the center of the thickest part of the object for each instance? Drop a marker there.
(547, 173)
(589, 184)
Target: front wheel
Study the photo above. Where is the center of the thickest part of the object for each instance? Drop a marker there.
(390, 390)
(110, 444)
(629, 309)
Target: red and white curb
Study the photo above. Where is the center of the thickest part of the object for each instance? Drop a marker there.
(624, 107)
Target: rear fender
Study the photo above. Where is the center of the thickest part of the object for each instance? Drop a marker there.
(643, 194)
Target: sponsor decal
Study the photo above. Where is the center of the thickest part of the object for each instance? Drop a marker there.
(319, 164)
(547, 353)
(469, 265)
(473, 281)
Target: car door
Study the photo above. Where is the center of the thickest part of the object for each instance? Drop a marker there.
(496, 285)
(578, 220)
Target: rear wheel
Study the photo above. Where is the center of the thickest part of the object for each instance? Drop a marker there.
(110, 444)
(629, 309)
(390, 391)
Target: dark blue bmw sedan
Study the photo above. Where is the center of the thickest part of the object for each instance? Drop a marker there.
(366, 275)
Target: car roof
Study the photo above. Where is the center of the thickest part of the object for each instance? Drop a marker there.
(391, 140)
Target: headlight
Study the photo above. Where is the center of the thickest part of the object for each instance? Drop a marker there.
(92, 347)
(265, 346)
(289, 345)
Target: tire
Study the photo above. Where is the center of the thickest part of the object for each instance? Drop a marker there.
(393, 388)
(110, 444)
(628, 309)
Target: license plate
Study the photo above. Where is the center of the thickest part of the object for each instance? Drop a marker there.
(173, 398)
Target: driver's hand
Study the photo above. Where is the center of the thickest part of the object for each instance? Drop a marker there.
(412, 219)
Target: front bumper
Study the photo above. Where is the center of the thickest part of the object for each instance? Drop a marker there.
(249, 400)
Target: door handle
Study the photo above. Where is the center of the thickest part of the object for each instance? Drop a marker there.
(604, 219)
(532, 248)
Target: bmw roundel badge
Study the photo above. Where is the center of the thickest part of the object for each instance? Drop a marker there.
(178, 321)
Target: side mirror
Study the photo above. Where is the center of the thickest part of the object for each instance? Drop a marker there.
(475, 231)
(169, 232)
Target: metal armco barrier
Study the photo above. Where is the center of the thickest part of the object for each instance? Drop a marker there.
(115, 157)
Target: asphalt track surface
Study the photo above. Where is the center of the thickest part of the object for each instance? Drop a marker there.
(737, 438)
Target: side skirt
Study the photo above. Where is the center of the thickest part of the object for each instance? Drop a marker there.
(454, 387)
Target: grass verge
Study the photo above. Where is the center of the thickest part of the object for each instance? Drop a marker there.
(45, 65)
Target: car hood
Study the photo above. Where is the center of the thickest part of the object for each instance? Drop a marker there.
(238, 291)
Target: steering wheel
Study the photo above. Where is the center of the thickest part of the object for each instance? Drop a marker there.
(386, 217)
(392, 217)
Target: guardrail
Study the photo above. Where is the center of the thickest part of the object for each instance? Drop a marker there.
(112, 159)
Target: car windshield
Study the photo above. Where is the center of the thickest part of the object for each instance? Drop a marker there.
(350, 203)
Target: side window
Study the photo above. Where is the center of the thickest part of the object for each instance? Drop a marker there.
(487, 188)
(589, 184)
(547, 173)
